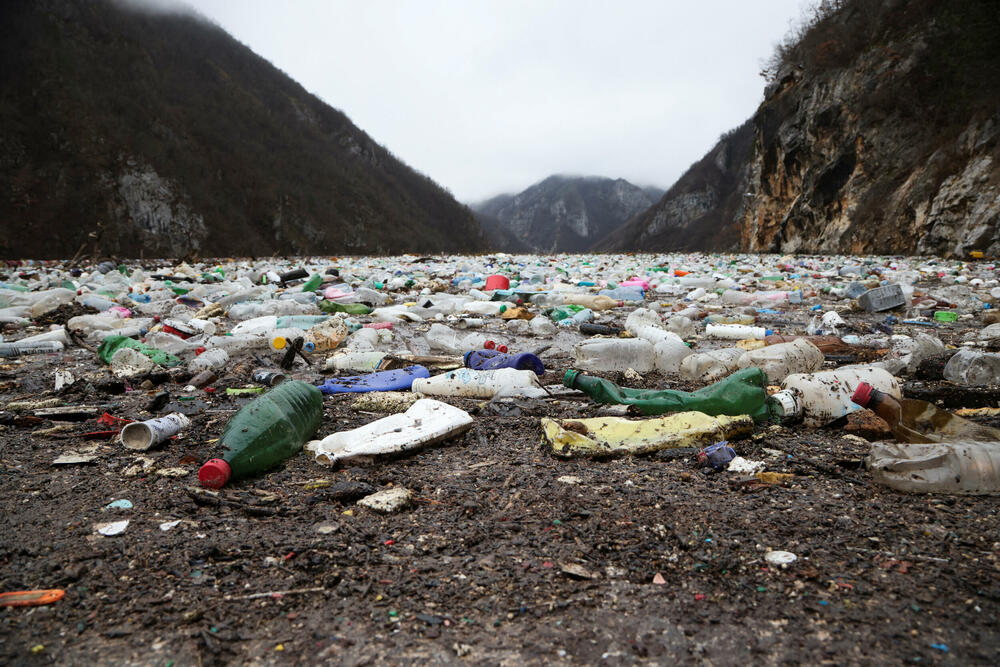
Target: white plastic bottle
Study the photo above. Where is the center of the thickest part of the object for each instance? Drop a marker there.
(480, 384)
(707, 367)
(964, 467)
(736, 331)
(442, 338)
(781, 360)
(825, 396)
(361, 362)
(57, 333)
(214, 359)
(614, 354)
(668, 348)
(972, 367)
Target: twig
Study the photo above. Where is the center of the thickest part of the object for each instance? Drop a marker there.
(274, 594)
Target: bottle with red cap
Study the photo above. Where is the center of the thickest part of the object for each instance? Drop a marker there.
(912, 420)
(265, 432)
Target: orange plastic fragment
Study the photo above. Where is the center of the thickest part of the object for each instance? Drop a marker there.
(31, 598)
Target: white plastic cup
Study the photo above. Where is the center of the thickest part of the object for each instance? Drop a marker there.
(140, 436)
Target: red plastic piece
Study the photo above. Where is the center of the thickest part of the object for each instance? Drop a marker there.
(214, 474)
(489, 345)
(863, 394)
(502, 349)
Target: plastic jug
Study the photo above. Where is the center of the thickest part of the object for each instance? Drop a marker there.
(265, 432)
(825, 396)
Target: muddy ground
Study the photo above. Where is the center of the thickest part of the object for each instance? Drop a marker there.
(507, 556)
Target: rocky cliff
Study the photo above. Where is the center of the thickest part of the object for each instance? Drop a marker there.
(879, 133)
(566, 214)
(127, 132)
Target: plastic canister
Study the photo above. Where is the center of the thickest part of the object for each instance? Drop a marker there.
(497, 281)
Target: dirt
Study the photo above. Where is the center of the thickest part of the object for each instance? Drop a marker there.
(507, 555)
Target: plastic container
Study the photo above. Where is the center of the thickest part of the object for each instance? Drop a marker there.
(326, 335)
(214, 359)
(712, 365)
(742, 393)
(887, 297)
(141, 436)
(717, 456)
(19, 349)
(736, 331)
(58, 334)
(781, 360)
(267, 377)
(112, 344)
(542, 326)
(395, 380)
(913, 420)
(614, 354)
(825, 396)
(444, 339)
(973, 368)
(427, 421)
(486, 360)
(592, 301)
(265, 432)
(496, 282)
(354, 361)
(962, 467)
(470, 383)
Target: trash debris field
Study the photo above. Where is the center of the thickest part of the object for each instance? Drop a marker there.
(507, 516)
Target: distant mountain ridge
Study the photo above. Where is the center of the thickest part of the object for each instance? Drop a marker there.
(566, 213)
(134, 132)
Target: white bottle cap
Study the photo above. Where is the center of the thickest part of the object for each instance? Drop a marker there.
(789, 404)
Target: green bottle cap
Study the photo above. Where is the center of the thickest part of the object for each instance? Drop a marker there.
(570, 378)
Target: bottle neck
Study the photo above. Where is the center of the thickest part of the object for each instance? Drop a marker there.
(885, 406)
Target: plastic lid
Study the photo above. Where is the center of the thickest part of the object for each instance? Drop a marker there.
(570, 378)
(768, 332)
(489, 345)
(863, 394)
(465, 357)
(309, 346)
(214, 474)
(787, 402)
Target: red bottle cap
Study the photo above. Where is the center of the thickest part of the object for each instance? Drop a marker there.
(489, 345)
(198, 350)
(863, 394)
(214, 474)
(502, 349)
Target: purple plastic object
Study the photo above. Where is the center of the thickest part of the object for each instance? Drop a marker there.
(488, 360)
(718, 455)
(397, 380)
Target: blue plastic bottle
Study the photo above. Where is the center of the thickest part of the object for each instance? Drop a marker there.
(397, 380)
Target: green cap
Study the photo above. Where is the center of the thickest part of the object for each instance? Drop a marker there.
(570, 378)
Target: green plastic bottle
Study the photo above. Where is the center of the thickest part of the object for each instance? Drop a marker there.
(265, 432)
(742, 393)
(112, 344)
(562, 312)
(352, 308)
(313, 283)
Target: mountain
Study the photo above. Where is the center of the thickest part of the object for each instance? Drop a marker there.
(700, 211)
(129, 131)
(879, 133)
(565, 213)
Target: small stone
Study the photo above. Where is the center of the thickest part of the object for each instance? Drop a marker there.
(632, 376)
(326, 528)
(388, 500)
(569, 479)
(868, 425)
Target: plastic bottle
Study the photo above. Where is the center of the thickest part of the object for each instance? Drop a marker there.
(592, 301)
(736, 331)
(58, 334)
(972, 367)
(779, 361)
(730, 319)
(19, 349)
(742, 393)
(142, 435)
(267, 377)
(395, 380)
(961, 467)
(591, 329)
(481, 384)
(327, 335)
(485, 360)
(265, 432)
(542, 326)
(445, 339)
(238, 343)
(299, 321)
(710, 366)
(826, 344)
(825, 396)
(564, 312)
(912, 420)
(349, 308)
(614, 354)
(214, 359)
(313, 283)
(632, 293)
(354, 361)
(50, 300)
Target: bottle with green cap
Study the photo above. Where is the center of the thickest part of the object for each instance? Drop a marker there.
(742, 393)
(265, 432)
(313, 283)
(350, 308)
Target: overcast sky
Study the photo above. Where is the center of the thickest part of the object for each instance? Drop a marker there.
(490, 97)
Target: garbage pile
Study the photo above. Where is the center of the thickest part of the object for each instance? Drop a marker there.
(688, 352)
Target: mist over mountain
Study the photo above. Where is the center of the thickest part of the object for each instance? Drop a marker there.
(566, 213)
(128, 128)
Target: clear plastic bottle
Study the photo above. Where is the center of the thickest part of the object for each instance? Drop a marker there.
(781, 360)
(359, 362)
(712, 365)
(825, 396)
(480, 384)
(443, 338)
(736, 331)
(327, 335)
(214, 359)
(614, 354)
(18, 349)
(962, 467)
(592, 301)
(972, 367)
